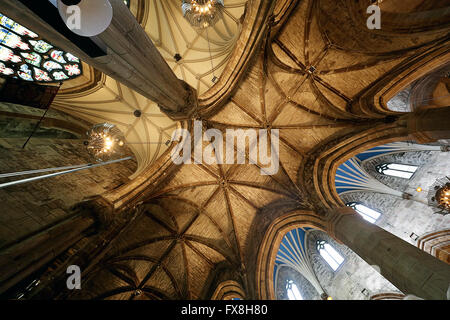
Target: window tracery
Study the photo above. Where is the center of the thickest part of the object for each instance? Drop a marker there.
(367, 213)
(329, 254)
(24, 55)
(397, 170)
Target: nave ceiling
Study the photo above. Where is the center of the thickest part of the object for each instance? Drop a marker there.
(315, 79)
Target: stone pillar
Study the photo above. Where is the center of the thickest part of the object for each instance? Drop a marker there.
(429, 124)
(130, 56)
(24, 258)
(407, 267)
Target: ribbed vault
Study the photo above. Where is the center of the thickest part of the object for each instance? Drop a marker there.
(148, 135)
(98, 98)
(172, 34)
(315, 80)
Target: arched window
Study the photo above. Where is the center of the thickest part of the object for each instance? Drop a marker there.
(292, 291)
(397, 170)
(25, 55)
(367, 213)
(329, 254)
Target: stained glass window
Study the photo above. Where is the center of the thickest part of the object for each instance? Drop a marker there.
(25, 55)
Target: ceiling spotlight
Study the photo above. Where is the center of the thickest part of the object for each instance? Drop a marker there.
(87, 18)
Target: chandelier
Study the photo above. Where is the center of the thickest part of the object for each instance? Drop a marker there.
(202, 13)
(104, 141)
(439, 196)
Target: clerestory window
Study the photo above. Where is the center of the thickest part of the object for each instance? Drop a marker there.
(329, 254)
(367, 213)
(397, 170)
(292, 291)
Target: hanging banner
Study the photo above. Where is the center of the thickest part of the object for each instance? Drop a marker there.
(27, 93)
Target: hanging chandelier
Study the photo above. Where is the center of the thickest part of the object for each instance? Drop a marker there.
(202, 13)
(104, 141)
(439, 196)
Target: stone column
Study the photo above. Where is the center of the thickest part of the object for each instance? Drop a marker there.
(25, 257)
(407, 267)
(130, 56)
(429, 124)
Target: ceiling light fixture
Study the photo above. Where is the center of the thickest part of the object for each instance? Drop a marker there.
(439, 196)
(104, 141)
(202, 13)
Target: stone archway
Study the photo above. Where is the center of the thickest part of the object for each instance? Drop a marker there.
(437, 244)
(228, 290)
(270, 243)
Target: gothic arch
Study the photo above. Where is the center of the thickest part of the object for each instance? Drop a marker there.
(413, 16)
(388, 296)
(424, 65)
(318, 170)
(437, 244)
(270, 243)
(228, 290)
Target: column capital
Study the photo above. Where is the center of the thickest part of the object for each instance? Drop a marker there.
(429, 124)
(333, 216)
(97, 208)
(187, 110)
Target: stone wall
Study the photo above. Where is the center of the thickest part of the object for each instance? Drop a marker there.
(355, 279)
(306, 289)
(29, 207)
(401, 101)
(12, 127)
(11, 108)
(405, 217)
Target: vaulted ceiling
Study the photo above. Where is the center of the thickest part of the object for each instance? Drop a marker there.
(110, 101)
(308, 80)
(172, 34)
(99, 98)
